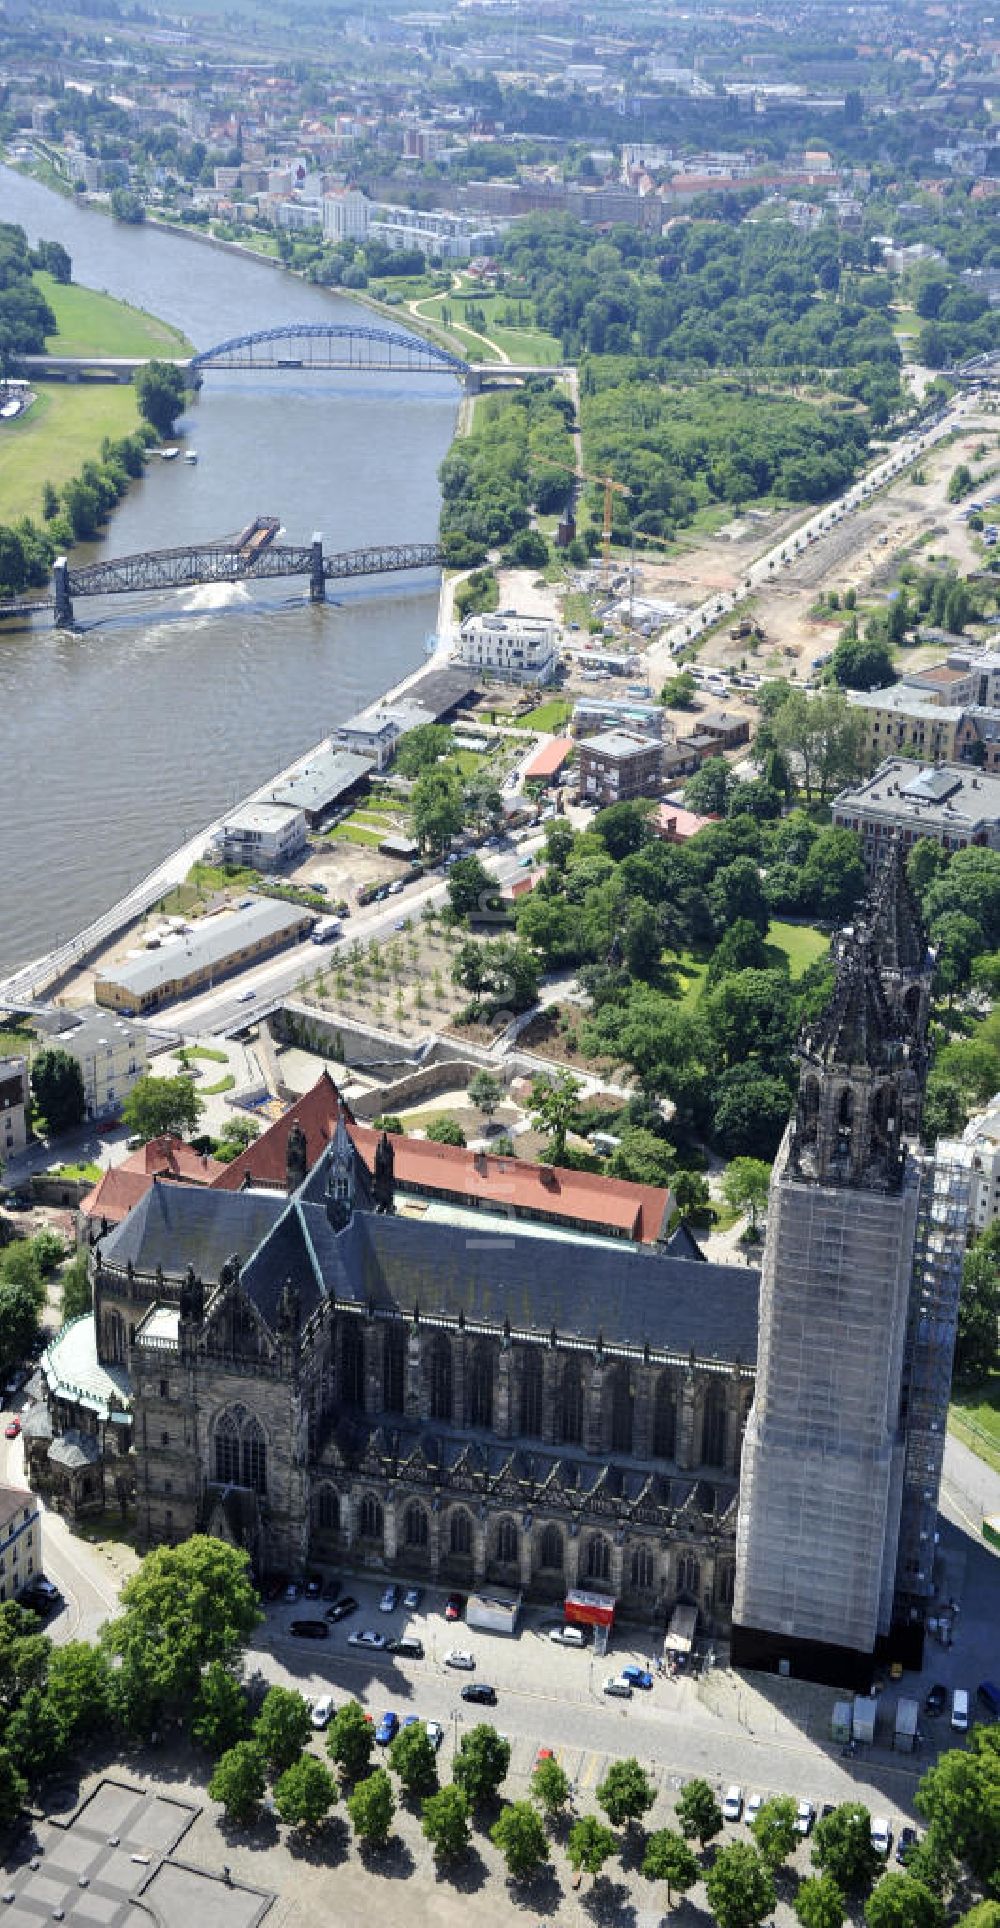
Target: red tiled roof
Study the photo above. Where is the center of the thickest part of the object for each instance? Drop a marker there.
(635, 1211)
(122, 1187)
(677, 825)
(549, 760)
(264, 1162)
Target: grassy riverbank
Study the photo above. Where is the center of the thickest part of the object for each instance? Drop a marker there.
(96, 324)
(61, 431)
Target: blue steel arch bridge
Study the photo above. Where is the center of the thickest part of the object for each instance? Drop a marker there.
(337, 345)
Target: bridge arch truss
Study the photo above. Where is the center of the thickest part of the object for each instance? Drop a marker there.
(330, 345)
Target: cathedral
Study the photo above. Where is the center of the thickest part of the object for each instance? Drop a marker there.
(329, 1369)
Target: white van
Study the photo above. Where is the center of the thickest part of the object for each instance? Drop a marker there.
(321, 1712)
(960, 1710)
(568, 1636)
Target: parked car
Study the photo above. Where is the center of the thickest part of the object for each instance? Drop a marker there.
(310, 1629)
(478, 1690)
(937, 1699)
(732, 1806)
(321, 1712)
(367, 1637)
(805, 1815)
(908, 1840)
(412, 1598)
(637, 1676)
(12, 1429)
(387, 1728)
(435, 1734)
(343, 1608)
(389, 1601)
(881, 1835)
(616, 1685)
(754, 1805)
(291, 1591)
(408, 1647)
(988, 1695)
(460, 1657)
(314, 1586)
(454, 1606)
(568, 1636)
(331, 1589)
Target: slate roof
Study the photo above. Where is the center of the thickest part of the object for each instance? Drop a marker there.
(74, 1372)
(179, 1225)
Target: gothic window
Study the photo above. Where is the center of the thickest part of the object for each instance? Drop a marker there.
(571, 1404)
(713, 1425)
(809, 1109)
(327, 1510)
(416, 1530)
(460, 1533)
(845, 1120)
(114, 1338)
(532, 1374)
(884, 1117)
(642, 1570)
(352, 1363)
(507, 1543)
(665, 1418)
(227, 1451)
(440, 1373)
(254, 1457)
(911, 1005)
(479, 1384)
(394, 1368)
(727, 1583)
(371, 1519)
(621, 1410)
(688, 1574)
(598, 1557)
(550, 1552)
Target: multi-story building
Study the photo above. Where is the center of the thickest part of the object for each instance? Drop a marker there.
(346, 214)
(616, 767)
(111, 1053)
(516, 649)
(431, 231)
(865, 1237)
(202, 956)
(954, 805)
(982, 1139)
(20, 1541)
(14, 1102)
(910, 720)
(593, 715)
(262, 835)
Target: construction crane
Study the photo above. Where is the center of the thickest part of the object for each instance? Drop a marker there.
(610, 487)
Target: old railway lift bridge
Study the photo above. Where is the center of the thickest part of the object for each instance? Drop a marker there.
(253, 555)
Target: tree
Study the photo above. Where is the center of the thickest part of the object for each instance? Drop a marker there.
(774, 1831)
(550, 1787)
(436, 809)
(305, 1793)
(520, 1836)
(590, 1845)
(643, 941)
(78, 1687)
(221, 1713)
(740, 948)
(76, 1294)
(412, 1757)
(470, 886)
(957, 940)
(819, 1903)
(862, 663)
(745, 1185)
(18, 1321)
(35, 1735)
(159, 392)
(678, 692)
(643, 1157)
(958, 1797)
(161, 1107)
(622, 828)
(900, 1902)
(446, 1131)
(979, 1307)
(57, 1089)
(740, 1887)
(351, 1739)
(421, 748)
(823, 736)
(986, 1914)
(709, 789)
(371, 1807)
(736, 893)
(13, 1788)
(444, 1823)
(749, 1111)
(481, 1763)
(698, 1813)
(184, 1607)
(485, 1092)
(282, 1727)
(25, 1653)
(668, 1858)
(842, 1847)
(238, 1782)
(553, 1108)
(626, 1792)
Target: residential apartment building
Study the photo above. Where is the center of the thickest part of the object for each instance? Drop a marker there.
(14, 1095)
(374, 734)
(112, 1056)
(20, 1541)
(345, 212)
(593, 714)
(615, 767)
(982, 1136)
(517, 649)
(432, 231)
(263, 835)
(906, 718)
(955, 805)
(202, 956)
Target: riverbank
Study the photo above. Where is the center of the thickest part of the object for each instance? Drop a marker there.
(93, 323)
(50, 442)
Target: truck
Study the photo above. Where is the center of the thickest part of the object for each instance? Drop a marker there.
(905, 1736)
(747, 627)
(493, 1612)
(840, 1721)
(325, 930)
(863, 1719)
(679, 1642)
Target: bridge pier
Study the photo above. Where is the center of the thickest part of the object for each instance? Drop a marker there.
(63, 616)
(317, 580)
(472, 380)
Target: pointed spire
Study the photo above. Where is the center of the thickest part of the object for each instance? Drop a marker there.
(856, 1026)
(897, 925)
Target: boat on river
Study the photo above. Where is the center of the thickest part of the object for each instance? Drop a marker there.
(169, 455)
(190, 455)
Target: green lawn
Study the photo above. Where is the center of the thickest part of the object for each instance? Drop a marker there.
(224, 1084)
(548, 716)
(61, 431)
(92, 1173)
(349, 833)
(94, 324)
(690, 972)
(801, 944)
(188, 1051)
(974, 1416)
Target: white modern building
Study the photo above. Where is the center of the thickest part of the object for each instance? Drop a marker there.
(375, 733)
(346, 214)
(20, 1541)
(982, 1136)
(517, 649)
(112, 1057)
(433, 231)
(263, 835)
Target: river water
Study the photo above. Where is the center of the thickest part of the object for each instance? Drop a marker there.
(117, 743)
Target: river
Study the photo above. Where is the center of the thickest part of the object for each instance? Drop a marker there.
(117, 742)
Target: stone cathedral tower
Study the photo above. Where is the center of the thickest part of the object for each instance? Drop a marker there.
(824, 1469)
